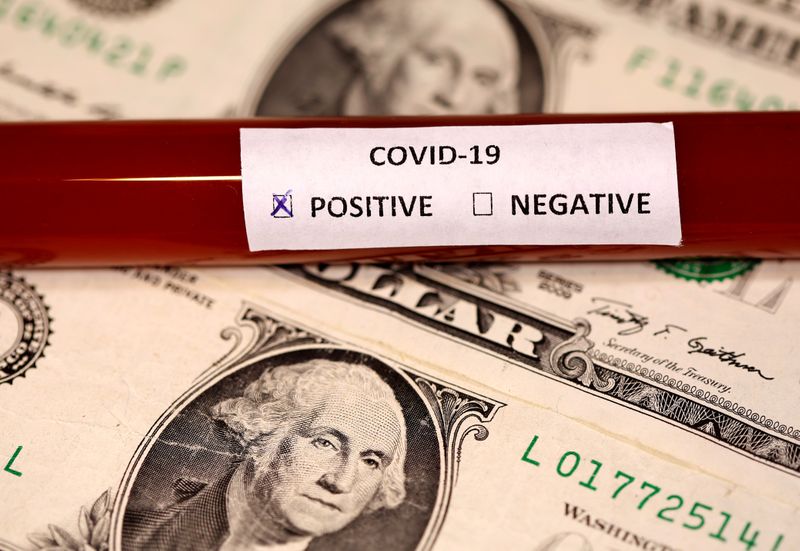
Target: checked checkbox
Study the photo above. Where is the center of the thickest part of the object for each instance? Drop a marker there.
(282, 205)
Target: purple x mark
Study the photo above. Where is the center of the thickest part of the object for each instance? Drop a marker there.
(280, 207)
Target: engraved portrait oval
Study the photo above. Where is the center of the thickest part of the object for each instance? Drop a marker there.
(416, 57)
(318, 447)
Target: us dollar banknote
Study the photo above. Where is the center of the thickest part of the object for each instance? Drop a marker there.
(667, 339)
(353, 408)
(77, 59)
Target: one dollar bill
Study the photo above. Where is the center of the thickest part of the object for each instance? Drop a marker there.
(180, 412)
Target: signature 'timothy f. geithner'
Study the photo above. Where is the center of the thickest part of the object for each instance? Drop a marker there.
(731, 357)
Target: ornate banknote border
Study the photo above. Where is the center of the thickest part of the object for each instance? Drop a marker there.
(565, 353)
(456, 413)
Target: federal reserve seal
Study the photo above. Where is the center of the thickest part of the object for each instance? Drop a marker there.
(119, 7)
(707, 269)
(24, 327)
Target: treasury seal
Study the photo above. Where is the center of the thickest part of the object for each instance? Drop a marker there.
(119, 7)
(24, 327)
(707, 269)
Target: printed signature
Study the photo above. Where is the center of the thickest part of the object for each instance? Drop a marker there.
(731, 357)
(621, 313)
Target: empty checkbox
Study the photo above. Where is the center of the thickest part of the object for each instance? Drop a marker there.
(482, 203)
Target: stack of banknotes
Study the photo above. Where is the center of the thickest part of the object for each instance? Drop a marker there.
(548, 407)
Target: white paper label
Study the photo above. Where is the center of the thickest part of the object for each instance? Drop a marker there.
(343, 188)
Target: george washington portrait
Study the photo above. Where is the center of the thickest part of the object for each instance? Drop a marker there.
(307, 450)
(415, 57)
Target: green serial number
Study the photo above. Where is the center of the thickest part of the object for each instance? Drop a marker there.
(76, 33)
(696, 83)
(668, 509)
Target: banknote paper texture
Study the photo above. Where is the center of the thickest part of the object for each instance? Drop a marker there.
(223, 420)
